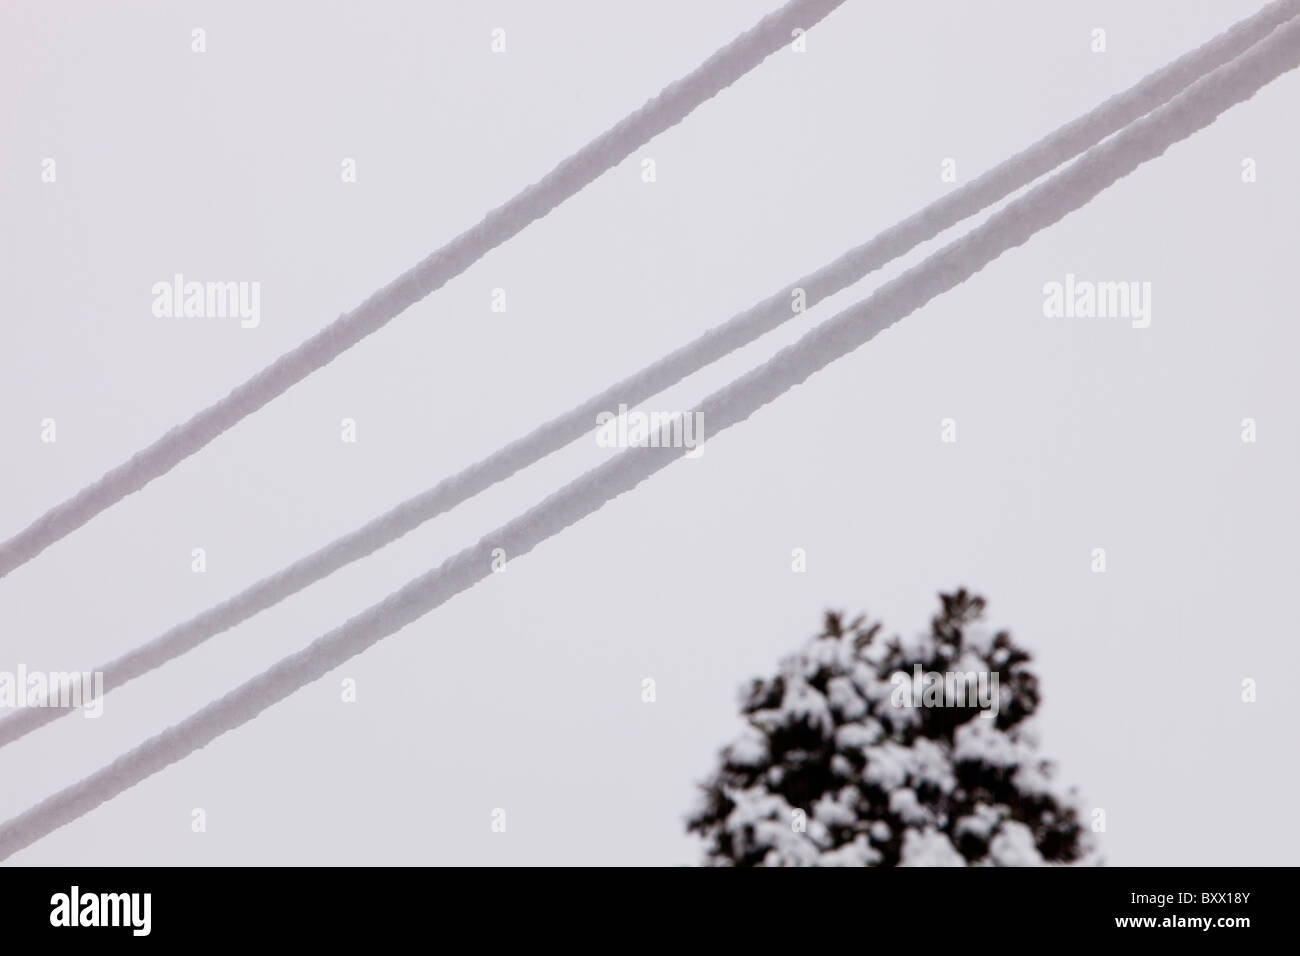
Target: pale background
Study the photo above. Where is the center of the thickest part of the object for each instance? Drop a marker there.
(524, 693)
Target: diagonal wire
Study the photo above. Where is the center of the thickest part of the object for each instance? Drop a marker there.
(1021, 169)
(1043, 205)
(568, 178)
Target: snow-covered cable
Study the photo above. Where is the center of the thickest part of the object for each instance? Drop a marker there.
(667, 109)
(1044, 204)
(1021, 169)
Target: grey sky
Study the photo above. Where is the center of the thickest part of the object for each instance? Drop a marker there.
(1073, 434)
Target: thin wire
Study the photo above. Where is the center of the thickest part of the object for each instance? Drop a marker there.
(572, 175)
(1044, 204)
(1021, 169)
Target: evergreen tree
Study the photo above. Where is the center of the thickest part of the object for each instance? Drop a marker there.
(842, 764)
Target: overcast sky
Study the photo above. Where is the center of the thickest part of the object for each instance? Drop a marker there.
(525, 693)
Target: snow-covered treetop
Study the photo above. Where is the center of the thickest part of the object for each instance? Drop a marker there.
(868, 752)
